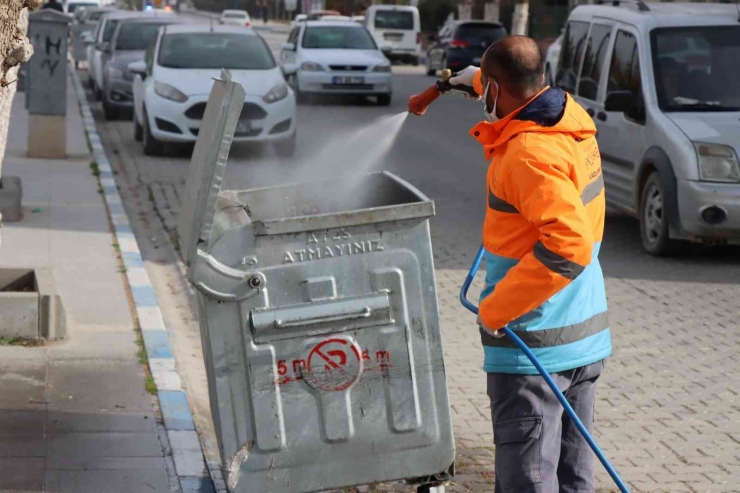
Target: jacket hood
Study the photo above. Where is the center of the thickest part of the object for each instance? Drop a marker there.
(550, 111)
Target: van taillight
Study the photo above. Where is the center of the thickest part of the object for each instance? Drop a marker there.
(418, 38)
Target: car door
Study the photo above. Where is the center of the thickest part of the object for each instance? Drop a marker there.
(621, 135)
(139, 81)
(571, 55)
(288, 57)
(436, 50)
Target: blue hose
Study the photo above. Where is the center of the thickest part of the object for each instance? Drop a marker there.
(550, 382)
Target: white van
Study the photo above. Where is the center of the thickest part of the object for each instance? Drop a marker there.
(397, 27)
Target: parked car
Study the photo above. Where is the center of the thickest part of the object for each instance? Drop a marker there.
(98, 44)
(335, 18)
(360, 19)
(460, 44)
(71, 6)
(81, 31)
(235, 18)
(298, 18)
(172, 85)
(323, 57)
(318, 14)
(398, 27)
(657, 82)
(128, 44)
(551, 59)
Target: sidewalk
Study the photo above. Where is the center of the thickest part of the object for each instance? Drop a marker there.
(75, 415)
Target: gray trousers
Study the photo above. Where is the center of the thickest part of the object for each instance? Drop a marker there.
(538, 448)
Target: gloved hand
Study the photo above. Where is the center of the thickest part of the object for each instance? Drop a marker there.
(497, 333)
(464, 82)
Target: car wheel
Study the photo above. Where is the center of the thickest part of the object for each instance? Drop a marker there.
(415, 61)
(654, 218)
(287, 147)
(152, 147)
(109, 112)
(384, 99)
(138, 130)
(98, 93)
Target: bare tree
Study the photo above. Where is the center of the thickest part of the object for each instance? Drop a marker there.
(14, 49)
(521, 17)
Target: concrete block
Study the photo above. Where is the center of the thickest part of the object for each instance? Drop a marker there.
(20, 315)
(30, 304)
(47, 136)
(11, 195)
(52, 319)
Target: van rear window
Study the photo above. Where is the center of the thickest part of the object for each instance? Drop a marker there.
(394, 19)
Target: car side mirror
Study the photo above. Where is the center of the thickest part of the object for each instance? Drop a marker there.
(138, 67)
(386, 49)
(289, 69)
(289, 47)
(103, 46)
(620, 101)
(87, 38)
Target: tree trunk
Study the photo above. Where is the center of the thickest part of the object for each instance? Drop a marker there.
(521, 17)
(14, 50)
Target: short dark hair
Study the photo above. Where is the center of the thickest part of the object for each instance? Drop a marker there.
(517, 63)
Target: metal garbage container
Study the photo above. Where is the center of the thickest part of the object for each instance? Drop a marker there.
(319, 321)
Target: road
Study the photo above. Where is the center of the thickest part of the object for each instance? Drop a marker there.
(668, 407)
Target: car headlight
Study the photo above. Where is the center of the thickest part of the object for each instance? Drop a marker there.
(311, 67)
(717, 163)
(168, 92)
(277, 93)
(115, 73)
(382, 68)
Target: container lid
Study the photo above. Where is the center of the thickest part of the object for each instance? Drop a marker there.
(208, 164)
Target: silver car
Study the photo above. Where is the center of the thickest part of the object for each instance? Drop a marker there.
(660, 81)
(129, 43)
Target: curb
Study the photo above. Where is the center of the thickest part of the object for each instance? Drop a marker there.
(181, 437)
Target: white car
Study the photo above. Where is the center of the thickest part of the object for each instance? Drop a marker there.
(235, 18)
(298, 19)
(551, 60)
(326, 57)
(172, 85)
(335, 18)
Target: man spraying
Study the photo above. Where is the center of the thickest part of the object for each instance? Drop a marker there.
(542, 232)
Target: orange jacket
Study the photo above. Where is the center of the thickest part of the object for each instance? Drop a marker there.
(545, 202)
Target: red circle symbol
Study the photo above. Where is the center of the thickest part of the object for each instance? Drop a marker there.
(333, 365)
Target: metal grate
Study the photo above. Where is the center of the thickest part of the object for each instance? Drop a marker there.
(349, 68)
(250, 111)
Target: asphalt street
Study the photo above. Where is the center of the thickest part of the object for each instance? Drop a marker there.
(668, 409)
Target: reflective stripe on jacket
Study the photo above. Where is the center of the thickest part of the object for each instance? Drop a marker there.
(543, 229)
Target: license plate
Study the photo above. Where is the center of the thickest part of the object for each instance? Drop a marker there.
(476, 61)
(393, 36)
(349, 80)
(243, 126)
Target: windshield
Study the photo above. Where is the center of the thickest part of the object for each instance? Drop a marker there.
(394, 19)
(341, 37)
(215, 51)
(95, 16)
(72, 6)
(136, 36)
(110, 28)
(696, 68)
(480, 33)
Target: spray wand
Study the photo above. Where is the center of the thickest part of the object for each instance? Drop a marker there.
(419, 103)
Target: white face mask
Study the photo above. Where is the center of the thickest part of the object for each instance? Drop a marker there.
(492, 115)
